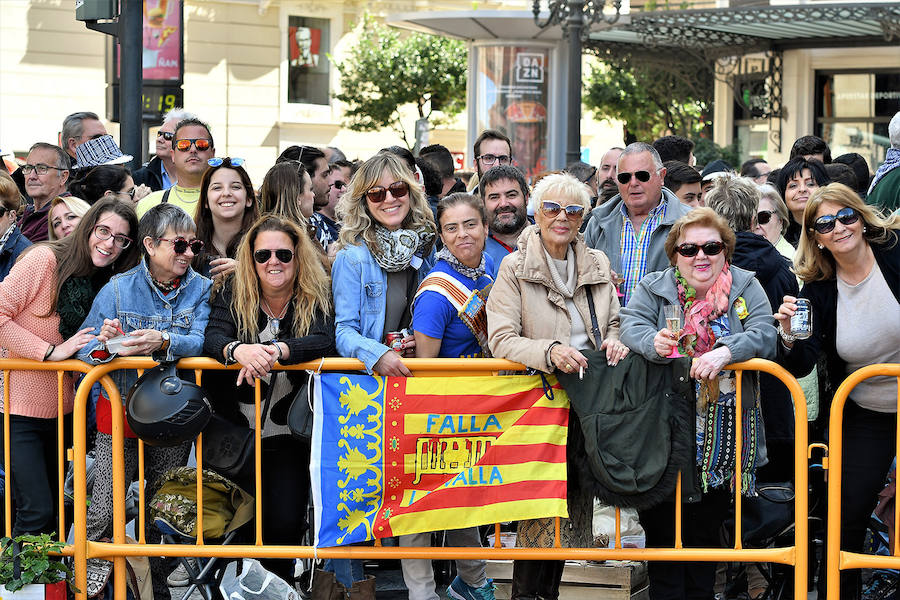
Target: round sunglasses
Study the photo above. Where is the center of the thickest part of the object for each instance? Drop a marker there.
(552, 209)
(180, 245)
(282, 254)
(826, 223)
(764, 216)
(377, 194)
(709, 249)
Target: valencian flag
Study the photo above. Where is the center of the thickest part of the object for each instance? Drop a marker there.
(397, 455)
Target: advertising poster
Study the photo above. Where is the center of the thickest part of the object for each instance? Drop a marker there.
(307, 59)
(162, 40)
(513, 94)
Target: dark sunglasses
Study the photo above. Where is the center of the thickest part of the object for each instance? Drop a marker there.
(624, 178)
(339, 185)
(217, 162)
(180, 245)
(552, 209)
(184, 144)
(709, 249)
(764, 216)
(166, 135)
(377, 194)
(282, 254)
(826, 223)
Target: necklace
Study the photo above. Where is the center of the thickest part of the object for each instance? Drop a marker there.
(274, 322)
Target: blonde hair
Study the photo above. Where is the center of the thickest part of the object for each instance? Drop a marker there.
(76, 205)
(312, 286)
(701, 216)
(357, 223)
(561, 185)
(817, 264)
(10, 198)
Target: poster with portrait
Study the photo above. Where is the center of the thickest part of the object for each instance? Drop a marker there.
(162, 40)
(513, 97)
(308, 46)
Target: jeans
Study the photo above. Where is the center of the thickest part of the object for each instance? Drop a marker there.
(33, 469)
(418, 574)
(346, 570)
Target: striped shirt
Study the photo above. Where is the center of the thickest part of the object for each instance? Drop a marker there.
(635, 246)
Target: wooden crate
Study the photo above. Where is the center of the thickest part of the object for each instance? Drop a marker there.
(584, 580)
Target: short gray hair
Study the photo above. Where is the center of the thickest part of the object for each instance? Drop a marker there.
(177, 114)
(735, 199)
(767, 190)
(62, 159)
(162, 217)
(640, 148)
(894, 131)
(561, 185)
(72, 126)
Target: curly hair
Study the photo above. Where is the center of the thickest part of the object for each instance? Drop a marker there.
(813, 263)
(358, 224)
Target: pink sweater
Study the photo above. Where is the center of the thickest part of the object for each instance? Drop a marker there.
(26, 293)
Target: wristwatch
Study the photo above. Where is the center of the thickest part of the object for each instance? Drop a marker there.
(165, 341)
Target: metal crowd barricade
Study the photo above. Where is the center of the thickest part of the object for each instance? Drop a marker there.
(117, 550)
(838, 560)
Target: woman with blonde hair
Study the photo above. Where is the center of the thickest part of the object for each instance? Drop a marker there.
(65, 213)
(849, 260)
(275, 307)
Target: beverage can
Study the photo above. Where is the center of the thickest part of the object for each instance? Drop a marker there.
(394, 340)
(801, 322)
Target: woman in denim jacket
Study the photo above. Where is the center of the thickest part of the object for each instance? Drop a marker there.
(386, 249)
(162, 306)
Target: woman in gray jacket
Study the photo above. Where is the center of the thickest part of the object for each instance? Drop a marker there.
(726, 319)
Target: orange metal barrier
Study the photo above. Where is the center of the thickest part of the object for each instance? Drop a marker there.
(118, 549)
(837, 559)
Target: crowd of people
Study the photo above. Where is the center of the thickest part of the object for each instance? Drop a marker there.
(399, 256)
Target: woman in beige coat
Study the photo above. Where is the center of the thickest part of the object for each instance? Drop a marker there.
(540, 314)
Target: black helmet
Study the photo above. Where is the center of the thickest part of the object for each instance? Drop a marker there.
(164, 410)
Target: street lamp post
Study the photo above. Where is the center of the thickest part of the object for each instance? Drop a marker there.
(576, 18)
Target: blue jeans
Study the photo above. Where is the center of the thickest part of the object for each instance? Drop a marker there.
(346, 570)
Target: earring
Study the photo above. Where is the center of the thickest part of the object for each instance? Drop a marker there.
(821, 247)
(865, 229)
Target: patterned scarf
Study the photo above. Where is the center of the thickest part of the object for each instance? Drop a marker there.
(473, 273)
(75, 298)
(6, 235)
(891, 162)
(395, 249)
(697, 337)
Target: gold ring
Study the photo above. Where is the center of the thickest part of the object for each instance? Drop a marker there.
(568, 367)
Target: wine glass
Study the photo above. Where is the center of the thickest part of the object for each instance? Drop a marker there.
(674, 320)
(618, 280)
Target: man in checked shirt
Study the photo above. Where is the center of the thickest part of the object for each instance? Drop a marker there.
(632, 227)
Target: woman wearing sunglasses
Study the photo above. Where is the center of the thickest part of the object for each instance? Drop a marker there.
(226, 209)
(42, 303)
(276, 306)
(160, 308)
(112, 181)
(849, 261)
(540, 313)
(727, 319)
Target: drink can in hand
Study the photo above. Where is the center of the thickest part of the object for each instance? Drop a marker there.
(394, 341)
(801, 322)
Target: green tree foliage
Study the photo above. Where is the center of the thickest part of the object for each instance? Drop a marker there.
(386, 72)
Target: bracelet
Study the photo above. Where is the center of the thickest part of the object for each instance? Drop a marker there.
(549, 348)
(229, 351)
(277, 347)
(49, 351)
(785, 335)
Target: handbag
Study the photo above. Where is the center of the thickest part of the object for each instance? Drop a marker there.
(228, 448)
(300, 414)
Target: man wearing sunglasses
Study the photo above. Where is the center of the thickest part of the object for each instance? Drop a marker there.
(192, 146)
(159, 172)
(631, 228)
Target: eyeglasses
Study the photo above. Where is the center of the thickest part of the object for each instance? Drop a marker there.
(218, 162)
(130, 192)
(624, 178)
(709, 249)
(41, 169)
(589, 177)
(552, 209)
(166, 135)
(282, 254)
(764, 216)
(180, 245)
(185, 144)
(826, 223)
(377, 194)
(490, 159)
(102, 232)
(339, 185)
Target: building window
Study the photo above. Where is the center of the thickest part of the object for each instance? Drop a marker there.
(853, 109)
(308, 66)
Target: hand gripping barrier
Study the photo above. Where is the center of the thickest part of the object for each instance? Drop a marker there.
(118, 549)
(837, 559)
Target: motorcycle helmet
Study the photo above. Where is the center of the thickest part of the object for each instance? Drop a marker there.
(164, 410)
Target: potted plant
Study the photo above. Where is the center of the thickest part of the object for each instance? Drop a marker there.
(28, 571)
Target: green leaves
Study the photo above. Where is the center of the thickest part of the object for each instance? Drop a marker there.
(385, 73)
(35, 562)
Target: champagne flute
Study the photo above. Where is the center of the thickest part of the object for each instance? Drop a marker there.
(674, 319)
(618, 280)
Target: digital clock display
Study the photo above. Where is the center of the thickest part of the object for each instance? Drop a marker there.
(156, 101)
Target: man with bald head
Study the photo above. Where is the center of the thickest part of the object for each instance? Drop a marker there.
(631, 228)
